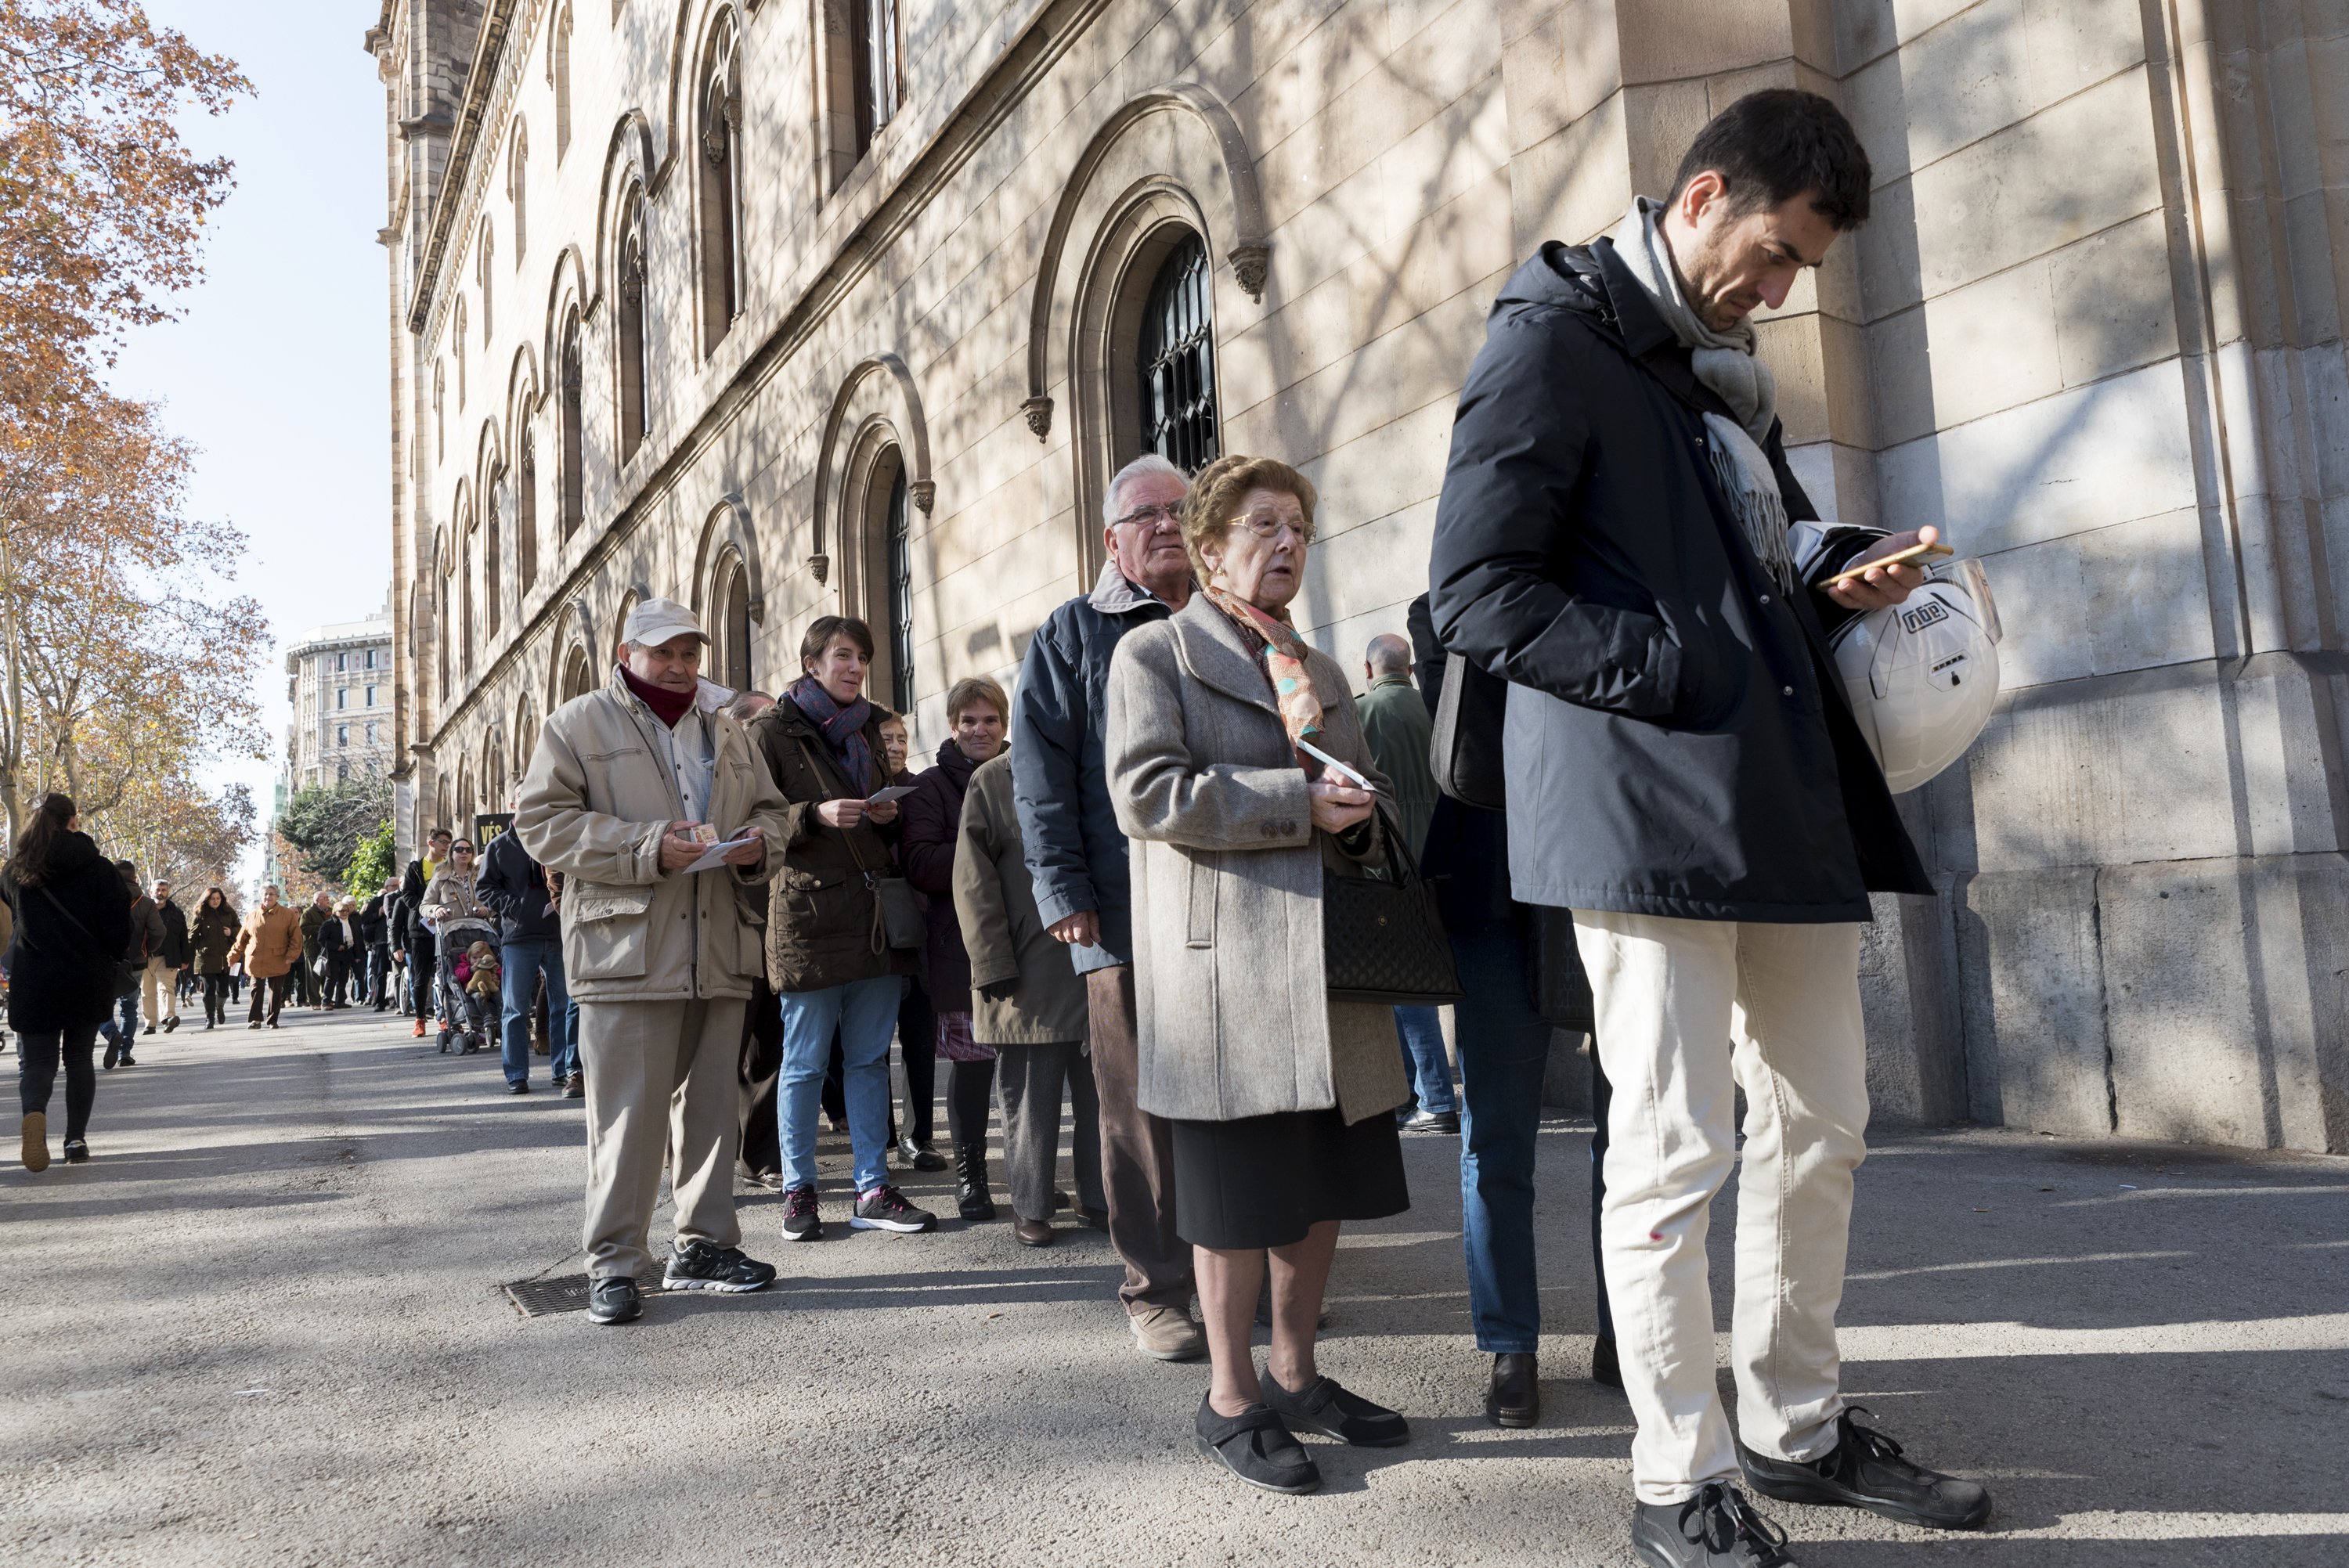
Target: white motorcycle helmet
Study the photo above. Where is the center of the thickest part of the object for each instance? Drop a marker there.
(1922, 676)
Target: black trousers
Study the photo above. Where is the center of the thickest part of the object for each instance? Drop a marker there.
(970, 1090)
(422, 963)
(217, 991)
(270, 992)
(338, 977)
(40, 1055)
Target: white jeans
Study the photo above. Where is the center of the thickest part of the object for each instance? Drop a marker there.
(1688, 1010)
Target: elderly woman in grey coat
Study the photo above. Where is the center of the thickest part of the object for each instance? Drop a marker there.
(1277, 1096)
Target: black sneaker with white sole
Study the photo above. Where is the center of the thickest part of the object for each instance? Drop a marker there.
(700, 1265)
(1717, 1528)
(802, 1223)
(614, 1298)
(1866, 1470)
(885, 1209)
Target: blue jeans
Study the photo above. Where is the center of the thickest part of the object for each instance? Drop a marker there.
(122, 1032)
(1424, 1066)
(1504, 1052)
(522, 964)
(865, 1014)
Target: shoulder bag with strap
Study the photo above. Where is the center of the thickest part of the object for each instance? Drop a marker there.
(1381, 938)
(120, 975)
(898, 920)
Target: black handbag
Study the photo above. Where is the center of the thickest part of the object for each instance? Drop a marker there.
(1464, 748)
(899, 919)
(1560, 985)
(1382, 939)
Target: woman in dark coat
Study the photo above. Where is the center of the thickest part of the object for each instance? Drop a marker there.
(976, 708)
(72, 917)
(212, 933)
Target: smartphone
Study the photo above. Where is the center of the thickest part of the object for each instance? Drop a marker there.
(1346, 774)
(1898, 557)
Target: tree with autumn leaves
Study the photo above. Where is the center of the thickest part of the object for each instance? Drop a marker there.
(125, 662)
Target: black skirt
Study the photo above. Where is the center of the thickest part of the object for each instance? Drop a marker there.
(1265, 1180)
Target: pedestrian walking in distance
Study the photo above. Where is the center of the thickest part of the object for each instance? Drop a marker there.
(210, 938)
(977, 709)
(159, 981)
(310, 975)
(340, 951)
(530, 946)
(1028, 1003)
(1618, 538)
(71, 917)
(630, 788)
(147, 934)
(832, 961)
(270, 947)
(375, 939)
(1279, 1099)
(1077, 855)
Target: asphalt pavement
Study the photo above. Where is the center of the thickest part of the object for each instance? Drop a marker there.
(267, 1325)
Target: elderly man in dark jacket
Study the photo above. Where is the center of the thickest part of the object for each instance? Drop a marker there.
(1619, 538)
(530, 944)
(1077, 856)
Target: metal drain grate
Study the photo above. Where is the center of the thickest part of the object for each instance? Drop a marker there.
(567, 1292)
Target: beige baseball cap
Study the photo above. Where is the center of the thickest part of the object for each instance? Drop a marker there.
(656, 621)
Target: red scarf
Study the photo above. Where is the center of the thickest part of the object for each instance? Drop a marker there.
(668, 705)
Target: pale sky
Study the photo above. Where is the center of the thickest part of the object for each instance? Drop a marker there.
(278, 372)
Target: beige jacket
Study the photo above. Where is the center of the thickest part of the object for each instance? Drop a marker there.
(451, 904)
(1024, 990)
(269, 943)
(1232, 1015)
(594, 806)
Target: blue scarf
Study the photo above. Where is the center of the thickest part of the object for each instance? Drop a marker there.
(842, 729)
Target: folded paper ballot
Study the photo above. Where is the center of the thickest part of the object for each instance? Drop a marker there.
(716, 854)
(883, 797)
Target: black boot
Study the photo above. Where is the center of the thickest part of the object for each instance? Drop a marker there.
(970, 1183)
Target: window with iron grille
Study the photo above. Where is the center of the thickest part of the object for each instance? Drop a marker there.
(901, 598)
(1177, 352)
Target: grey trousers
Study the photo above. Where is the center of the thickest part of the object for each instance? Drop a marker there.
(660, 1079)
(1030, 1078)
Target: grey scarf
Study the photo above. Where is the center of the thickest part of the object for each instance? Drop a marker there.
(1726, 361)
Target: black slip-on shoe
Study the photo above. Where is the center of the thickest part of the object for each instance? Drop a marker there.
(1321, 1406)
(1514, 1397)
(1425, 1121)
(107, 1061)
(613, 1299)
(126, 1060)
(151, 1029)
(169, 1024)
(1866, 1470)
(1605, 1367)
(1717, 1528)
(77, 1151)
(520, 1086)
(1255, 1447)
(920, 1156)
(699, 1265)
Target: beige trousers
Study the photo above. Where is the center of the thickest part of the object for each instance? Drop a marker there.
(660, 1077)
(1687, 1011)
(159, 985)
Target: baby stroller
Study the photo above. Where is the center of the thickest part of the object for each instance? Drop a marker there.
(465, 1017)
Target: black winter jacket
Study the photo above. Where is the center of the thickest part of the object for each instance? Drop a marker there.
(928, 832)
(174, 950)
(1675, 724)
(515, 886)
(374, 926)
(61, 975)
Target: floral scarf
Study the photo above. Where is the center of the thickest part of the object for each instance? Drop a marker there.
(1284, 667)
(842, 729)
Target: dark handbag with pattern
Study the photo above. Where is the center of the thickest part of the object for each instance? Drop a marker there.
(1382, 939)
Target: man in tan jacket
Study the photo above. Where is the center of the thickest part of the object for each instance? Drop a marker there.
(630, 789)
(269, 946)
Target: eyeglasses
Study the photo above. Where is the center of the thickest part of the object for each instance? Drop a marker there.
(1264, 525)
(1170, 512)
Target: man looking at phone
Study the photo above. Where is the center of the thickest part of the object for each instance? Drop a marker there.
(628, 786)
(1616, 540)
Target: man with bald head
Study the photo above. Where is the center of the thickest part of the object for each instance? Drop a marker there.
(1395, 723)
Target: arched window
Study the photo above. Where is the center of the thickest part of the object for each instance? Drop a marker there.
(482, 266)
(578, 674)
(525, 739)
(1177, 354)
(439, 413)
(720, 195)
(459, 356)
(899, 560)
(466, 526)
(526, 518)
(441, 633)
(517, 188)
(634, 399)
(572, 390)
(494, 516)
(629, 602)
(558, 76)
(733, 603)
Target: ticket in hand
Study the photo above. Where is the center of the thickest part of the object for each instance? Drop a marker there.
(883, 797)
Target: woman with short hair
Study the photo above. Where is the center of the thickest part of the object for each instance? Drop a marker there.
(977, 711)
(71, 913)
(1277, 1095)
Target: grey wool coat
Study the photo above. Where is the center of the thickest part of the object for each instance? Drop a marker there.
(1024, 991)
(1232, 1010)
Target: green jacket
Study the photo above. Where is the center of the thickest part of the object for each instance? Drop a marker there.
(1395, 723)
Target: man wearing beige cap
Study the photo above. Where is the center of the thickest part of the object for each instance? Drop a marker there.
(648, 800)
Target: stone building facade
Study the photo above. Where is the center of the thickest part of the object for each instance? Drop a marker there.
(782, 308)
(338, 682)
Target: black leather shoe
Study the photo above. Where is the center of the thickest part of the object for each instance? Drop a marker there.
(920, 1156)
(1424, 1120)
(1606, 1369)
(1717, 1528)
(1866, 1470)
(1321, 1406)
(1515, 1399)
(1255, 1447)
(613, 1299)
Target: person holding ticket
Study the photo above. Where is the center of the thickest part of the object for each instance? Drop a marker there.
(630, 789)
(828, 955)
